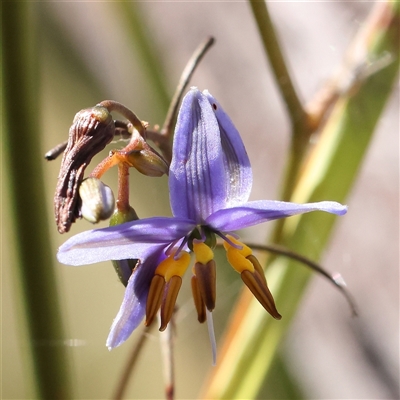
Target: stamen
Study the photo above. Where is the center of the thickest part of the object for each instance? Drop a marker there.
(257, 266)
(198, 300)
(203, 252)
(206, 282)
(260, 290)
(238, 261)
(231, 240)
(211, 334)
(238, 245)
(168, 303)
(154, 298)
(173, 265)
(181, 246)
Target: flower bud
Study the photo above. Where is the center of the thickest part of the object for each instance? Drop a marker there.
(98, 201)
(147, 161)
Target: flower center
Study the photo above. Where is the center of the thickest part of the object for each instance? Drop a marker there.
(167, 279)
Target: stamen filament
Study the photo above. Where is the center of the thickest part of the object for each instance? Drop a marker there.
(211, 334)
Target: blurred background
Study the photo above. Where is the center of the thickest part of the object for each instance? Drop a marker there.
(89, 52)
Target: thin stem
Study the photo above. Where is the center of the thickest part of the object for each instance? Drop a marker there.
(123, 187)
(278, 64)
(112, 105)
(130, 365)
(53, 153)
(167, 348)
(187, 74)
(183, 82)
(104, 166)
(301, 129)
(336, 279)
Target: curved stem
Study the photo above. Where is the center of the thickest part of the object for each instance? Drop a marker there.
(336, 279)
(112, 105)
(183, 82)
(166, 131)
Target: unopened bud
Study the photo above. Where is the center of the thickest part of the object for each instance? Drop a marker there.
(147, 161)
(97, 200)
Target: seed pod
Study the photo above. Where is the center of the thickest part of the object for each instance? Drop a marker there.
(91, 130)
(146, 160)
(98, 200)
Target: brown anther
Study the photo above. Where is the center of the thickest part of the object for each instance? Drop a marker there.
(198, 300)
(168, 302)
(206, 282)
(260, 290)
(154, 298)
(257, 266)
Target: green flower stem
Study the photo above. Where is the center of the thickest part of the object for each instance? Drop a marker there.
(26, 192)
(301, 126)
(278, 64)
(329, 173)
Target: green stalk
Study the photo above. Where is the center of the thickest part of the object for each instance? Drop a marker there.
(301, 129)
(26, 192)
(329, 174)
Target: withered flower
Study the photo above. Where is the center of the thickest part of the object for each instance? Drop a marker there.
(91, 130)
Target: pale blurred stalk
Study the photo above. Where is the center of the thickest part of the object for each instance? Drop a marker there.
(26, 192)
(329, 173)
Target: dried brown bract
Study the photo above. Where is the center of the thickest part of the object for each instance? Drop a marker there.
(91, 130)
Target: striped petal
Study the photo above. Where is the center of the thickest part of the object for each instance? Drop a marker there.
(133, 307)
(197, 178)
(256, 212)
(239, 176)
(134, 239)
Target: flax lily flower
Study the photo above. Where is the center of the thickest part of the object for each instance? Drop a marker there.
(210, 181)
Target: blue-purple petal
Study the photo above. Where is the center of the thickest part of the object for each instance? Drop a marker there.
(133, 307)
(197, 179)
(256, 212)
(239, 176)
(130, 240)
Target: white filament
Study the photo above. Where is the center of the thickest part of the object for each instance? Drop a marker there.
(211, 334)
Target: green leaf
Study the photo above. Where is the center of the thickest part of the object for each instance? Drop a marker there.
(329, 174)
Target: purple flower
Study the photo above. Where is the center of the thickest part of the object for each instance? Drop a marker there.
(210, 181)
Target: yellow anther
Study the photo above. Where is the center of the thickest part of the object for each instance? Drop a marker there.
(171, 267)
(203, 253)
(238, 261)
(245, 251)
